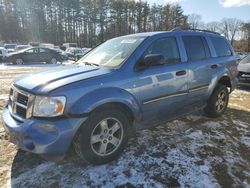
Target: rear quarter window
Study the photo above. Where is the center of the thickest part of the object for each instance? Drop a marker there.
(221, 46)
(196, 48)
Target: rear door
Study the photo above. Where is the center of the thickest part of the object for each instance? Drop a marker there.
(199, 68)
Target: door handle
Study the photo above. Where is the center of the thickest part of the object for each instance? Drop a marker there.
(214, 66)
(180, 73)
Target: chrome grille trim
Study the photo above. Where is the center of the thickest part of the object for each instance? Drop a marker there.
(14, 103)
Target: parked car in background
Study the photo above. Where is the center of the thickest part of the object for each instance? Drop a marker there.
(75, 53)
(63, 53)
(86, 50)
(35, 54)
(46, 45)
(241, 55)
(34, 44)
(22, 47)
(244, 71)
(127, 83)
(10, 47)
(3, 53)
(69, 45)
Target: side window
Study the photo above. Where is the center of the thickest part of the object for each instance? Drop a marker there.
(42, 50)
(221, 46)
(196, 47)
(30, 51)
(36, 50)
(0, 51)
(167, 47)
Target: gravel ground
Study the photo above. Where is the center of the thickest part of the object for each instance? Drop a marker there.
(194, 151)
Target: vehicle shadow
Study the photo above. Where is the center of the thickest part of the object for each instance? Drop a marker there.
(25, 161)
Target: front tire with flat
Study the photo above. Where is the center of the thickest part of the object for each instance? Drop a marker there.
(103, 137)
(218, 101)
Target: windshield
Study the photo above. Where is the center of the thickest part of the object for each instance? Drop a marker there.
(246, 59)
(113, 52)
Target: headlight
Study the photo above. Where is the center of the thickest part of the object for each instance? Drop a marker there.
(49, 106)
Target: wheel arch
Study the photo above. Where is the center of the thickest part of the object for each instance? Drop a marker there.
(226, 81)
(114, 97)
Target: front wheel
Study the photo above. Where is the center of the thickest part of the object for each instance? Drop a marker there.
(53, 60)
(102, 138)
(19, 61)
(218, 101)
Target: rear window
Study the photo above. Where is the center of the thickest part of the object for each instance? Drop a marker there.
(221, 46)
(196, 48)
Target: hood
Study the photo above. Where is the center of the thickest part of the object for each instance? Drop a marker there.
(45, 81)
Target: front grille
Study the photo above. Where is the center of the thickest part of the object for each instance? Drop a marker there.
(22, 99)
(20, 104)
(20, 111)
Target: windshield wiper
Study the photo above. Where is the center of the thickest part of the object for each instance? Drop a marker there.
(88, 63)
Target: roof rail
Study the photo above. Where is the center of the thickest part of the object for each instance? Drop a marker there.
(197, 30)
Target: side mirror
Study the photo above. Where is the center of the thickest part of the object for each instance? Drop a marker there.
(153, 60)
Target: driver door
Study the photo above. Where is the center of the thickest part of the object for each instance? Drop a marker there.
(31, 55)
(163, 88)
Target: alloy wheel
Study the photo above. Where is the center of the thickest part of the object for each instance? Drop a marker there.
(53, 61)
(19, 61)
(220, 104)
(106, 136)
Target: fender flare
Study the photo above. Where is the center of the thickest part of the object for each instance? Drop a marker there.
(92, 100)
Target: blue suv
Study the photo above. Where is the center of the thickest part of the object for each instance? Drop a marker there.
(125, 84)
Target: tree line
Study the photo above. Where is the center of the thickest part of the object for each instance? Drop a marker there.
(86, 22)
(90, 22)
(236, 31)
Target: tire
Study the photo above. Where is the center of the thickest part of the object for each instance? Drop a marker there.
(95, 142)
(218, 101)
(53, 60)
(18, 61)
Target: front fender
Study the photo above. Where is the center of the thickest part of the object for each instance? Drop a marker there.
(98, 97)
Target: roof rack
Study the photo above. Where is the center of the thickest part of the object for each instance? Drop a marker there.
(197, 30)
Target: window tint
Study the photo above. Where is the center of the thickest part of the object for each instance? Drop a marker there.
(221, 46)
(0, 51)
(166, 47)
(42, 50)
(30, 51)
(196, 48)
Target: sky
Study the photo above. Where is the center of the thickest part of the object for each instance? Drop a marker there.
(213, 10)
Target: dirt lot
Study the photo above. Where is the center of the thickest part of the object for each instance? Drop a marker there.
(194, 151)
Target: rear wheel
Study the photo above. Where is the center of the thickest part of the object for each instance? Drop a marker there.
(102, 138)
(218, 101)
(19, 61)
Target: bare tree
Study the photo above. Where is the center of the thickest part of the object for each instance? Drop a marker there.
(230, 27)
(245, 28)
(194, 20)
(212, 26)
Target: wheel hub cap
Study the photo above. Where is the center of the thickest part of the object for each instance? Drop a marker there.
(106, 136)
(221, 101)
